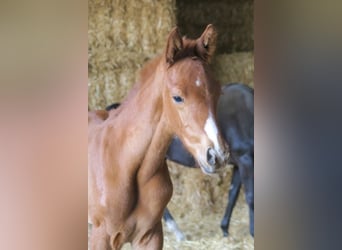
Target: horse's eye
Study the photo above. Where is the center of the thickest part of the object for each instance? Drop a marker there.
(177, 99)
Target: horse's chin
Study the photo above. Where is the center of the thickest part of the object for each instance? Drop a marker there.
(210, 170)
(207, 169)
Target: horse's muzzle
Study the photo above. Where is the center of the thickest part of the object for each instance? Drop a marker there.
(214, 161)
(211, 157)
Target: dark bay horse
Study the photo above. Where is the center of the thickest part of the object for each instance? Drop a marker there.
(128, 181)
(235, 113)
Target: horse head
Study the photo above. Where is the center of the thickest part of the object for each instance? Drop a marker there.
(190, 96)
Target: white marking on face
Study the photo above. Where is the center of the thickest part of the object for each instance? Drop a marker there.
(198, 82)
(211, 129)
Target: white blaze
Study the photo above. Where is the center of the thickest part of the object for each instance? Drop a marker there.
(211, 129)
(198, 82)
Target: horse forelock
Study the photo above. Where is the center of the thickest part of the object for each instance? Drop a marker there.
(188, 51)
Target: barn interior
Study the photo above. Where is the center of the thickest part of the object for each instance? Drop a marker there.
(122, 36)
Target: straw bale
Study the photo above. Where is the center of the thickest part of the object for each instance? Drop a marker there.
(198, 204)
(195, 191)
(122, 35)
(232, 18)
(204, 233)
(236, 67)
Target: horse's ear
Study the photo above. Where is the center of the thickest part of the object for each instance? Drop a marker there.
(206, 44)
(174, 44)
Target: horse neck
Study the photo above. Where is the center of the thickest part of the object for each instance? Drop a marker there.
(155, 154)
(152, 89)
(144, 100)
(148, 100)
(143, 108)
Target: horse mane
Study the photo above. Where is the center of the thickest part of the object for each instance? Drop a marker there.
(189, 50)
(148, 69)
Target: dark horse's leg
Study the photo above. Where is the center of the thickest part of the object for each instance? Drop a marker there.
(232, 198)
(246, 169)
(172, 225)
(251, 220)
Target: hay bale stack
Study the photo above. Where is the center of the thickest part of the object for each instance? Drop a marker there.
(196, 192)
(236, 67)
(232, 18)
(122, 35)
(198, 204)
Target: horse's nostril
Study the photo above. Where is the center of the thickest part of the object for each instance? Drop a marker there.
(211, 157)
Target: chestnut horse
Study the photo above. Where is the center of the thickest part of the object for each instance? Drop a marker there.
(128, 180)
(235, 117)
